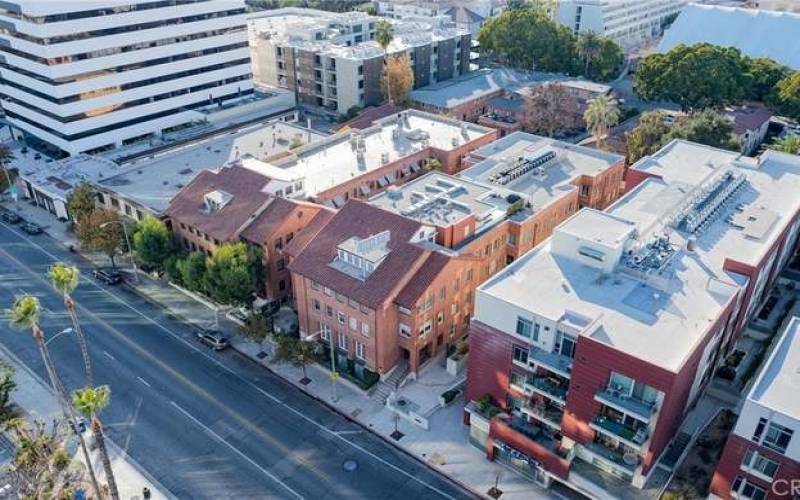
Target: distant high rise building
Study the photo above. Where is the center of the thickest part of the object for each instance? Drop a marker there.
(628, 22)
(89, 76)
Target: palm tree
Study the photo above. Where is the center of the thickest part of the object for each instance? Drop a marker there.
(25, 314)
(90, 401)
(65, 279)
(384, 34)
(601, 114)
(6, 157)
(589, 49)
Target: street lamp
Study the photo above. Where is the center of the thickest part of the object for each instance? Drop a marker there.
(62, 332)
(334, 373)
(127, 242)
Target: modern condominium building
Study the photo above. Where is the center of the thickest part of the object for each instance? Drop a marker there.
(596, 344)
(761, 459)
(330, 60)
(628, 22)
(89, 76)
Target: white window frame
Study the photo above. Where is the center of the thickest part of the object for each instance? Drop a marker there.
(341, 341)
(360, 348)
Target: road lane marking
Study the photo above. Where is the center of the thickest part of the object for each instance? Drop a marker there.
(109, 356)
(235, 450)
(233, 373)
(144, 381)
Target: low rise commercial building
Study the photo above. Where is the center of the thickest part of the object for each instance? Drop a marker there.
(330, 60)
(633, 308)
(761, 459)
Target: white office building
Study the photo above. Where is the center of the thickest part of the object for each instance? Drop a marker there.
(628, 22)
(92, 75)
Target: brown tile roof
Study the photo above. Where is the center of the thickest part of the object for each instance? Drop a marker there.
(749, 117)
(302, 238)
(261, 228)
(422, 279)
(367, 117)
(245, 185)
(361, 220)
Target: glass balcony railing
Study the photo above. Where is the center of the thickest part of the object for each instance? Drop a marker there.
(627, 461)
(549, 387)
(548, 414)
(555, 362)
(630, 405)
(631, 436)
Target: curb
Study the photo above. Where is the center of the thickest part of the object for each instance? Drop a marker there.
(349, 418)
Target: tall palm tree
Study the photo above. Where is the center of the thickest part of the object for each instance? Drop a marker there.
(384, 34)
(90, 401)
(601, 114)
(24, 314)
(65, 279)
(589, 49)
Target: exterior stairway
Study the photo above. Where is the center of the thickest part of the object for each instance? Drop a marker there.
(675, 450)
(390, 384)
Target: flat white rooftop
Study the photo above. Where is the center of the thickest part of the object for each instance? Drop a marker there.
(659, 300)
(540, 186)
(341, 157)
(778, 384)
(154, 180)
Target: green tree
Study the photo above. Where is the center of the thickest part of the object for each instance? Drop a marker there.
(694, 77)
(228, 278)
(6, 157)
(432, 163)
(647, 137)
(384, 34)
(588, 47)
(706, 127)
(607, 62)
(7, 386)
(255, 327)
(65, 280)
(101, 231)
(789, 144)
(192, 270)
(297, 352)
(527, 38)
(25, 314)
(81, 201)
(90, 401)
(601, 114)
(152, 242)
(764, 74)
(787, 96)
(397, 79)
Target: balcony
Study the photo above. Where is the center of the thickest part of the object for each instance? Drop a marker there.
(634, 407)
(517, 441)
(547, 414)
(548, 387)
(628, 462)
(634, 438)
(554, 362)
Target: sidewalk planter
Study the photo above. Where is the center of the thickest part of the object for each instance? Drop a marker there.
(348, 369)
(456, 363)
(448, 397)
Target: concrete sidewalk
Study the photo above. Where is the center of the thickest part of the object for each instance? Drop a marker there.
(39, 403)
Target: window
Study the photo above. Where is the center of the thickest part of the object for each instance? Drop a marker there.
(425, 329)
(469, 275)
(360, 350)
(453, 308)
(777, 437)
(428, 303)
(279, 243)
(762, 423)
(328, 292)
(512, 239)
(342, 341)
(517, 381)
(365, 329)
(352, 303)
(520, 354)
(315, 303)
(281, 285)
(342, 318)
(755, 462)
(565, 344)
(281, 265)
(325, 331)
(440, 317)
(329, 311)
(340, 298)
(353, 323)
(442, 293)
(405, 331)
(743, 489)
(314, 285)
(524, 327)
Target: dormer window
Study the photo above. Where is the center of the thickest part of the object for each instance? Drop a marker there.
(359, 257)
(216, 200)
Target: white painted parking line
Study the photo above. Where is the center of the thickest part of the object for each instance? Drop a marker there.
(109, 356)
(145, 382)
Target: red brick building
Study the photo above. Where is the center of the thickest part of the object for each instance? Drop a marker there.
(598, 342)
(232, 204)
(761, 459)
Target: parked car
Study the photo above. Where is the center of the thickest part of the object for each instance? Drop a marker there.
(32, 228)
(10, 217)
(213, 339)
(107, 276)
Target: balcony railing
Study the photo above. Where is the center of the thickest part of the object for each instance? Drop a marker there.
(554, 362)
(630, 436)
(547, 414)
(635, 407)
(549, 387)
(626, 461)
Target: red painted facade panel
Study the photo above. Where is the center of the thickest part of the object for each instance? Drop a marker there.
(498, 429)
(489, 363)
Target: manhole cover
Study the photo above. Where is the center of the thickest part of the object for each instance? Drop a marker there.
(350, 465)
(401, 402)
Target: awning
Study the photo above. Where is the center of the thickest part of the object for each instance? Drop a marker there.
(415, 168)
(390, 178)
(382, 182)
(338, 202)
(365, 190)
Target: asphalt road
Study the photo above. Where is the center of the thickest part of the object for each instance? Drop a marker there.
(204, 424)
